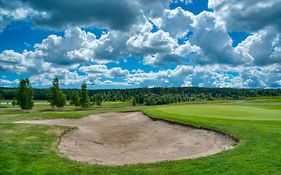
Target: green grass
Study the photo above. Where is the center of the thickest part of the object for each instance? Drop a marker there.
(217, 111)
(32, 149)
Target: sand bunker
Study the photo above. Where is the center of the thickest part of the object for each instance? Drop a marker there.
(131, 138)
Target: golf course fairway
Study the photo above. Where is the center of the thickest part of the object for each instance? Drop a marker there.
(32, 149)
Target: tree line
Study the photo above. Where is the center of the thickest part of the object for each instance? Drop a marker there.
(144, 96)
(25, 96)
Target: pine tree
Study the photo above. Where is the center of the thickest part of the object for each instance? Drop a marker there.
(1, 98)
(56, 96)
(99, 100)
(14, 102)
(25, 95)
(134, 101)
(84, 99)
(75, 99)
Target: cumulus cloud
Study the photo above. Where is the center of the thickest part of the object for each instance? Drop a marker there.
(170, 77)
(111, 47)
(63, 13)
(11, 61)
(112, 14)
(75, 47)
(158, 48)
(101, 71)
(71, 50)
(263, 46)
(210, 76)
(96, 75)
(149, 31)
(66, 77)
(265, 77)
(177, 22)
(182, 75)
(250, 15)
(216, 45)
(8, 83)
(12, 11)
(54, 51)
(207, 78)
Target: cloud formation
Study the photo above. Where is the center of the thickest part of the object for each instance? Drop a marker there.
(12, 11)
(184, 49)
(250, 15)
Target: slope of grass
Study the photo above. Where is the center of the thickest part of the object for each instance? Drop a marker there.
(32, 149)
(217, 111)
(259, 131)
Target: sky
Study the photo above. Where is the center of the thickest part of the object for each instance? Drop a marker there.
(141, 43)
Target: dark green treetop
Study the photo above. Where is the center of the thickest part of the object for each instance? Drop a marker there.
(75, 99)
(84, 99)
(25, 95)
(56, 96)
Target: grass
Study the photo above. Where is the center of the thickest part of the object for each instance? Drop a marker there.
(32, 149)
(217, 111)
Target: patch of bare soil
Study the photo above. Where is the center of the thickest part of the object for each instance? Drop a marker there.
(131, 138)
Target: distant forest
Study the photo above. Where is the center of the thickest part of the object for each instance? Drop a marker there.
(157, 95)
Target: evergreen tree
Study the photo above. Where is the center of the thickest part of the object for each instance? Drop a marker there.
(14, 102)
(75, 99)
(25, 95)
(84, 99)
(99, 100)
(92, 99)
(56, 96)
(134, 101)
(0, 98)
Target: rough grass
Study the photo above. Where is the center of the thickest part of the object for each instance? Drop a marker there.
(32, 149)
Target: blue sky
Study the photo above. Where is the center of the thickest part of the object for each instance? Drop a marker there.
(130, 44)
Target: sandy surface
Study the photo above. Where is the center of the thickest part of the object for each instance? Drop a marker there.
(130, 138)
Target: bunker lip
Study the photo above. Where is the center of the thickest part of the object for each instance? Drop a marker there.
(133, 138)
(234, 138)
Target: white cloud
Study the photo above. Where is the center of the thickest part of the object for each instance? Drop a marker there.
(263, 77)
(12, 11)
(101, 71)
(111, 14)
(250, 15)
(8, 83)
(202, 76)
(210, 76)
(111, 47)
(75, 47)
(170, 77)
(216, 46)
(159, 48)
(263, 46)
(177, 22)
(11, 61)
(278, 82)
(178, 37)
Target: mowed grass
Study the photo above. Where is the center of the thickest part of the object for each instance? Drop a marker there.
(257, 126)
(32, 149)
(216, 111)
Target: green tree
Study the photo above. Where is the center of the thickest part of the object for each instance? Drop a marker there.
(14, 102)
(75, 99)
(99, 100)
(134, 101)
(25, 95)
(1, 98)
(56, 96)
(84, 99)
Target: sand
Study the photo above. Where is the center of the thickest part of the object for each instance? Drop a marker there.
(132, 138)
